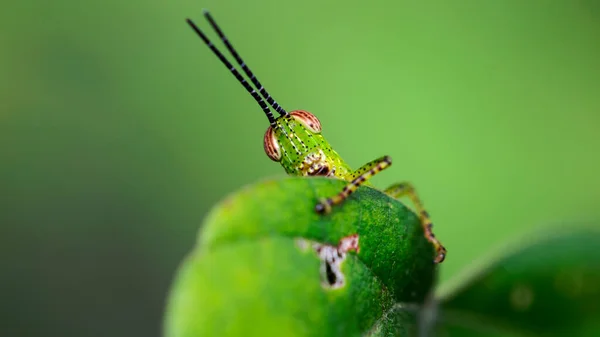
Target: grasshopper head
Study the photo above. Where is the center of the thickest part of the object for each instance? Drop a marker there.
(296, 142)
(289, 132)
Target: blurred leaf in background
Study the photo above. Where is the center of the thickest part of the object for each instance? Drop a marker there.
(119, 130)
(547, 285)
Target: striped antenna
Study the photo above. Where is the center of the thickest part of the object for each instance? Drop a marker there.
(242, 64)
(235, 73)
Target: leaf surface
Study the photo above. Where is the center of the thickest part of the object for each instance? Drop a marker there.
(259, 270)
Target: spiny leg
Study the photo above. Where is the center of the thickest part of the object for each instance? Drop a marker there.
(406, 189)
(363, 174)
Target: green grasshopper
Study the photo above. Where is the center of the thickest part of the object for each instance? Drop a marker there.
(294, 139)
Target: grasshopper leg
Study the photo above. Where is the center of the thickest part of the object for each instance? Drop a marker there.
(407, 190)
(360, 177)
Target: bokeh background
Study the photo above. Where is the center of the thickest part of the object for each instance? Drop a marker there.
(119, 129)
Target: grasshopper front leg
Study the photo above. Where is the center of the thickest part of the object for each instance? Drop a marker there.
(406, 189)
(360, 176)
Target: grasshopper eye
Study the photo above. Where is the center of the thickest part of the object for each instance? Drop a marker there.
(309, 120)
(272, 145)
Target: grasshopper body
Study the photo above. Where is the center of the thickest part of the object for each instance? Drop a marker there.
(294, 140)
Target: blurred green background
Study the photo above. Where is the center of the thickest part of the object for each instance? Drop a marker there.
(119, 129)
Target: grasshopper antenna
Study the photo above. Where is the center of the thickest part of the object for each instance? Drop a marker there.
(242, 64)
(234, 71)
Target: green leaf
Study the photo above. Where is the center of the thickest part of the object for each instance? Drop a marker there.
(257, 270)
(548, 288)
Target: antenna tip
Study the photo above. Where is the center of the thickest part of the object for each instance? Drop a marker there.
(190, 22)
(205, 11)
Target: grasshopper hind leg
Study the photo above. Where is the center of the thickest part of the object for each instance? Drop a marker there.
(407, 190)
(395, 191)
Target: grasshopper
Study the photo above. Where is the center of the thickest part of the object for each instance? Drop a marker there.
(294, 140)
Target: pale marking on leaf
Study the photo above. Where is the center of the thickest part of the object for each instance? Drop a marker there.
(521, 297)
(303, 244)
(387, 316)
